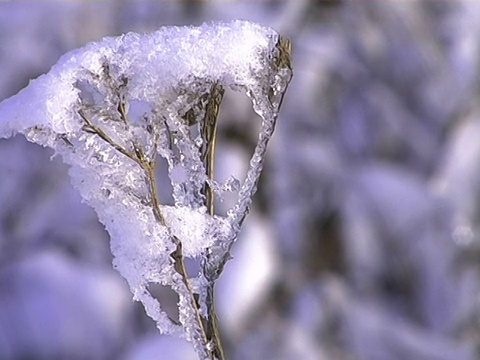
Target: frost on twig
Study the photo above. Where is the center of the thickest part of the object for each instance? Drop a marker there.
(111, 109)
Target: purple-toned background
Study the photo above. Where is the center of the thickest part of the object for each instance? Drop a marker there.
(364, 239)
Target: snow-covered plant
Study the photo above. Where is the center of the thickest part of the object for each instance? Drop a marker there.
(112, 109)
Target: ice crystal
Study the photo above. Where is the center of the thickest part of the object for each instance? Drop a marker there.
(112, 108)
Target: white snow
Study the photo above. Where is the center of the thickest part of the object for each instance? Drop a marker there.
(111, 108)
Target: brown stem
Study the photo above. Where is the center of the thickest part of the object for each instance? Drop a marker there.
(213, 329)
(208, 327)
(177, 255)
(91, 128)
(149, 169)
(179, 265)
(209, 134)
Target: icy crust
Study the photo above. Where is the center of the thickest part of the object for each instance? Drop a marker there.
(112, 108)
(233, 54)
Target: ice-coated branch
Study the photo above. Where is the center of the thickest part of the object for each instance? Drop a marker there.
(112, 108)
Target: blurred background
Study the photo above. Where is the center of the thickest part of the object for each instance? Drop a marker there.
(363, 241)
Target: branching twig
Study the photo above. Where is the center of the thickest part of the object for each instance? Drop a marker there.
(148, 166)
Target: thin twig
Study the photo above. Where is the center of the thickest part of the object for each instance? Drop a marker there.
(209, 135)
(91, 128)
(148, 166)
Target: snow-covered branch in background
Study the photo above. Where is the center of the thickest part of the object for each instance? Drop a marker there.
(112, 109)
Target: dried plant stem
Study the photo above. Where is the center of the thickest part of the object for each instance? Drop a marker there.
(150, 173)
(213, 327)
(209, 135)
(138, 156)
(177, 255)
